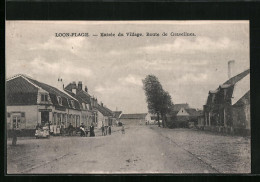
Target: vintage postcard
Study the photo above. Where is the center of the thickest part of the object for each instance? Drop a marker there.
(127, 97)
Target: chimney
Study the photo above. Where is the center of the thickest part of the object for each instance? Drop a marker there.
(86, 89)
(80, 85)
(231, 65)
(73, 87)
(60, 84)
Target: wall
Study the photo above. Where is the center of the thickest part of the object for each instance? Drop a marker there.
(30, 120)
(133, 121)
(100, 119)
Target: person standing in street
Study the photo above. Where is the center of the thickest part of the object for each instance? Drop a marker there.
(82, 130)
(109, 130)
(103, 130)
(70, 129)
(123, 129)
(92, 132)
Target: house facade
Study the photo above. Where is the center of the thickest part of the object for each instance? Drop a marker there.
(29, 102)
(87, 113)
(228, 107)
(182, 116)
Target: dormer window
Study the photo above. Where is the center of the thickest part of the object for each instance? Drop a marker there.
(44, 97)
(83, 105)
(59, 100)
(72, 103)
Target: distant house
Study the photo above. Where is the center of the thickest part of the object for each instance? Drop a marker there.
(104, 116)
(182, 115)
(30, 102)
(133, 119)
(152, 119)
(116, 116)
(228, 107)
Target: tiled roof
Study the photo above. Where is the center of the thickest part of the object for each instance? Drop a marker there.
(238, 77)
(20, 92)
(116, 114)
(85, 96)
(133, 116)
(192, 112)
(25, 84)
(54, 92)
(229, 85)
(103, 110)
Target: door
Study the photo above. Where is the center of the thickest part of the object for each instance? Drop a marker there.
(44, 117)
(16, 121)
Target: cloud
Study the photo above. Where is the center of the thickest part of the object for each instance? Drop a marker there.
(72, 44)
(131, 79)
(191, 78)
(191, 46)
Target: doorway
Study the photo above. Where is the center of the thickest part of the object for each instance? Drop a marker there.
(44, 117)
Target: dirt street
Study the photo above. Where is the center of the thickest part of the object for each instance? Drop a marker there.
(142, 149)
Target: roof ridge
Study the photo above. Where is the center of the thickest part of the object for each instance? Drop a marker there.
(241, 73)
(54, 88)
(16, 76)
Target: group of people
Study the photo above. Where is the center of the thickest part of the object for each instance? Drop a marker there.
(83, 130)
(105, 129)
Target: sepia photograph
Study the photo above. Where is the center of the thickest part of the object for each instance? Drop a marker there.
(127, 97)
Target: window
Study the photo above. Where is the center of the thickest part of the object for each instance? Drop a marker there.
(59, 100)
(44, 97)
(72, 104)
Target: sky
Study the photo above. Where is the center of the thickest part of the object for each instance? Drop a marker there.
(113, 67)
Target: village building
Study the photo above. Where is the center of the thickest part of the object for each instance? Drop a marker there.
(116, 116)
(93, 112)
(104, 116)
(87, 114)
(133, 119)
(183, 116)
(228, 107)
(152, 119)
(30, 102)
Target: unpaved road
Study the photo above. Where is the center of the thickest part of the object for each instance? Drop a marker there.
(142, 149)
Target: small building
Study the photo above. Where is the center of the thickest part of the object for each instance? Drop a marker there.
(182, 116)
(116, 116)
(30, 102)
(104, 116)
(228, 107)
(152, 119)
(133, 119)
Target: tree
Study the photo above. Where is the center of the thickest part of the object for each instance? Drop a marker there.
(159, 101)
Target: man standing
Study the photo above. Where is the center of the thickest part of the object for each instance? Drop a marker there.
(70, 129)
(103, 130)
(92, 133)
(109, 130)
